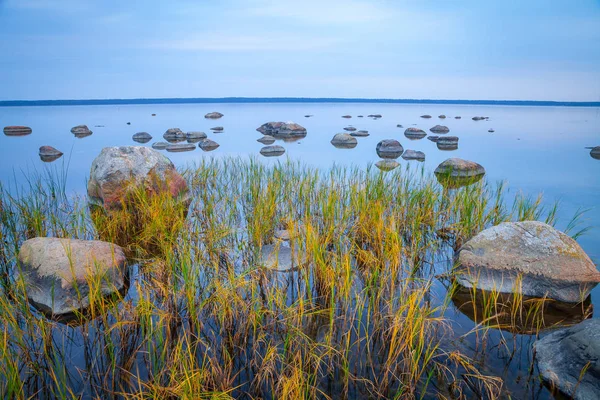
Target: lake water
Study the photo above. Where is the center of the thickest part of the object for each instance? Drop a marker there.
(534, 149)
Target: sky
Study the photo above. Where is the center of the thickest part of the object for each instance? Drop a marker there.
(422, 49)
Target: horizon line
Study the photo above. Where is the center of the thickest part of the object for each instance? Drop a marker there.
(206, 100)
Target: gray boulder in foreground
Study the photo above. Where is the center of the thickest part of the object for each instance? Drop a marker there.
(459, 168)
(56, 272)
(413, 155)
(272, 151)
(117, 169)
(282, 130)
(529, 257)
(563, 355)
(389, 148)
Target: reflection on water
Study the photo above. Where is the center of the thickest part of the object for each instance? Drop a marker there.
(518, 314)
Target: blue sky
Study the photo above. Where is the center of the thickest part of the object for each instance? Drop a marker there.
(480, 49)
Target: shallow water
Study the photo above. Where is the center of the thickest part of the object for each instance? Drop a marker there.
(534, 149)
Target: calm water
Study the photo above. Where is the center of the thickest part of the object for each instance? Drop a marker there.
(534, 149)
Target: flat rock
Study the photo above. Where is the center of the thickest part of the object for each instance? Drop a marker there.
(531, 258)
(360, 133)
(426, 116)
(350, 129)
(459, 168)
(413, 155)
(81, 131)
(160, 145)
(118, 169)
(563, 355)
(440, 129)
(344, 140)
(17, 130)
(346, 116)
(478, 118)
(374, 115)
(272, 151)
(217, 129)
(359, 116)
(56, 272)
(283, 130)
(389, 148)
(458, 117)
(213, 115)
(433, 138)
(49, 154)
(442, 116)
(266, 139)
(308, 116)
(208, 145)
(195, 136)
(142, 137)
(414, 133)
(387, 165)
(491, 130)
(399, 126)
(181, 147)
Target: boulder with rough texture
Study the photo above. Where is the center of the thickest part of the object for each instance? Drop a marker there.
(344, 140)
(17, 130)
(117, 169)
(142, 137)
(595, 152)
(413, 155)
(272, 151)
(440, 129)
(457, 167)
(569, 360)
(56, 272)
(529, 257)
(81, 131)
(174, 135)
(208, 145)
(414, 133)
(283, 130)
(49, 153)
(389, 148)
(213, 115)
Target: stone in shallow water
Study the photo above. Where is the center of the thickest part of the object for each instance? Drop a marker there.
(433, 138)
(413, 155)
(160, 145)
(447, 143)
(389, 148)
(374, 115)
(217, 129)
(529, 257)
(195, 137)
(595, 153)
(283, 130)
(442, 116)
(440, 129)
(142, 137)
(350, 129)
(56, 272)
(491, 130)
(81, 131)
(414, 133)
(174, 135)
(272, 151)
(266, 139)
(360, 133)
(280, 257)
(117, 169)
(426, 116)
(49, 153)
(344, 141)
(457, 117)
(564, 355)
(478, 118)
(208, 145)
(178, 148)
(213, 115)
(346, 116)
(387, 165)
(457, 167)
(17, 130)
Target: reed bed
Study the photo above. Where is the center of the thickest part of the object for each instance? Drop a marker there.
(361, 315)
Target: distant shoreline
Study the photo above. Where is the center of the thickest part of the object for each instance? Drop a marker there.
(25, 103)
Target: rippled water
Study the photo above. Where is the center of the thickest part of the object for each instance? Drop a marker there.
(534, 149)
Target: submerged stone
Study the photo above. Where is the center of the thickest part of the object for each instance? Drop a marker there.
(142, 137)
(280, 257)
(195, 136)
(17, 130)
(595, 153)
(266, 139)
(387, 165)
(442, 116)
(413, 155)
(350, 129)
(568, 359)
(217, 129)
(531, 258)
(389, 148)
(56, 272)
(433, 138)
(346, 116)
(272, 151)
(208, 145)
(359, 133)
(159, 145)
(426, 116)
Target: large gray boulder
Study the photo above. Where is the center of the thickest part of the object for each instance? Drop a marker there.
(117, 169)
(389, 148)
(459, 168)
(569, 360)
(56, 272)
(529, 257)
(282, 130)
(414, 133)
(344, 141)
(174, 135)
(142, 137)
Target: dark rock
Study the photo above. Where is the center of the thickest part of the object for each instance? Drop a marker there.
(389, 148)
(491, 130)
(595, 153)
(56, 272)
(346, 116)
(81, 131)
(350, 129)
(17, 130)
(442, 116)
(283, 130)
(178, 148)
(49, 153)
(272, 151)
(360, 133)
(213, 115)
(568, 359)
(142, 137)
(174, 135)
(208, 145)
(159, 145)
(129, 123)
(427, 116)
(414, 133)
(457, 117)
(413, 155)
(154, 115)
(440, 129)
(387, 165)
(266, 139)
(118, 169)
(447, 143)
(359, 116)
(195, 136)
(399, 126)
(478, 118)
(530, 258)
(374, 115)
(344, 141)
(217, 129)
(433, 138)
